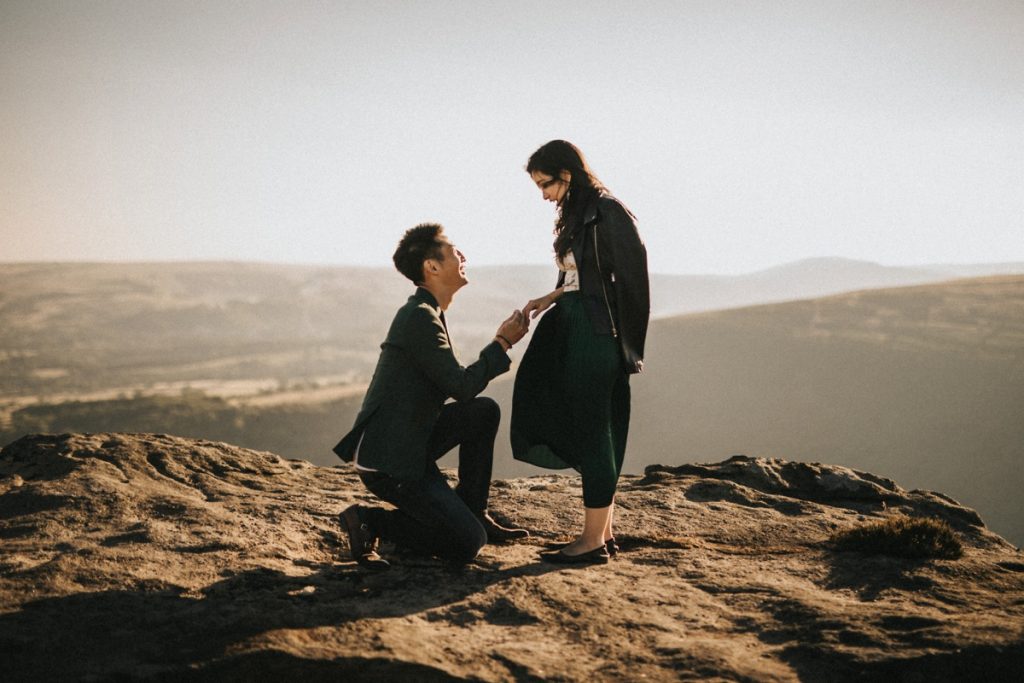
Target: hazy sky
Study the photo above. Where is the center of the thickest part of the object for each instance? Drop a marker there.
(742, 134)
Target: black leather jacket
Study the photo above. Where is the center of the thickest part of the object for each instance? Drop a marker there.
(612, 263)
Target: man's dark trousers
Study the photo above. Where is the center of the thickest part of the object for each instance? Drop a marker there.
(431, 517)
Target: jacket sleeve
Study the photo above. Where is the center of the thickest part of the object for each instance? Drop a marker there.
(430, 350)
(624, 264)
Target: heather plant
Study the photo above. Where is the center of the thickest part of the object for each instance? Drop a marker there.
(902, 536)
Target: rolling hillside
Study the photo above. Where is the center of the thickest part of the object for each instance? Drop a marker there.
(69, 330)
(924, 384)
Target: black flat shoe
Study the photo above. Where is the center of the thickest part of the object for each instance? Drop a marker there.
(610, 545)
(362, 542)
(598, 555)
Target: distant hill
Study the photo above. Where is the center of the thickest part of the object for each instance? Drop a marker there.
(924, 384)
(69, 329)
(83, 327)
(981, 269)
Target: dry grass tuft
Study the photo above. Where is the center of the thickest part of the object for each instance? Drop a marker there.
(902, 536)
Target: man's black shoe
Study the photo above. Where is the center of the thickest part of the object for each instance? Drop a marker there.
(497, 533)
(362, 542)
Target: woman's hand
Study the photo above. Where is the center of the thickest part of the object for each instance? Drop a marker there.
(537, 306)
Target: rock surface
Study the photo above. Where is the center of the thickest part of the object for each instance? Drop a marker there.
(150, 556)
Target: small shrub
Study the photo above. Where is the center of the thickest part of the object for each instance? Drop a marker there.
(902, 536)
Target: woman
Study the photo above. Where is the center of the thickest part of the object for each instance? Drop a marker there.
(571, 402)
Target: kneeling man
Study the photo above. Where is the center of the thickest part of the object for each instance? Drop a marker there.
(405, 425)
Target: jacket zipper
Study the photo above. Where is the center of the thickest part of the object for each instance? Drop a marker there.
(608, 307)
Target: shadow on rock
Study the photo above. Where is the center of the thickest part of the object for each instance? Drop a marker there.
(978, 663)
(152, 633)
(872, 575)
(267, 665)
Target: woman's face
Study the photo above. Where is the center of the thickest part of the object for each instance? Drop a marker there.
(551, 188)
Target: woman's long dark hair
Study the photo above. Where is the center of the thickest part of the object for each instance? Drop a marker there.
(551, 159)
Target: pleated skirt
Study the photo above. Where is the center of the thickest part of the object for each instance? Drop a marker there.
(571, 402)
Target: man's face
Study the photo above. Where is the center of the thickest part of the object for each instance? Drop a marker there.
(453, 266)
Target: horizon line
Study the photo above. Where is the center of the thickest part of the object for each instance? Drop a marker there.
(314, 264)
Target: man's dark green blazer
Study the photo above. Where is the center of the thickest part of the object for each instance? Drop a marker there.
(416, 373)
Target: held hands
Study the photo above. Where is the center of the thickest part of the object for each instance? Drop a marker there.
(512, 330)
(537, 306)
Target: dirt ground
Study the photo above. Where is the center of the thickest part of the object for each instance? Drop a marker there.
(153, 557)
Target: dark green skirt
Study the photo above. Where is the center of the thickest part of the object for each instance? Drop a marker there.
(571, 402)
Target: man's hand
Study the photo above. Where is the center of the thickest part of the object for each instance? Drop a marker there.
(512, 330)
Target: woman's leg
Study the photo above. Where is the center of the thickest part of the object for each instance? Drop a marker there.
(596, 388)
(595, 521)
(600, 477)
(620, 431)
(592, 423)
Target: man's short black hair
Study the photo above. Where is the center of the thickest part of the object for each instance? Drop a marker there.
(416, 246)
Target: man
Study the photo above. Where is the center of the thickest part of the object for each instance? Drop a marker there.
(405, 425)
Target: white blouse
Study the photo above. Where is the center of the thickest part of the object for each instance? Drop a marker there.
(572, 276)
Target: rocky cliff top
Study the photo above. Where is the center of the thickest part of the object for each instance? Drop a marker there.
(150, 556)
